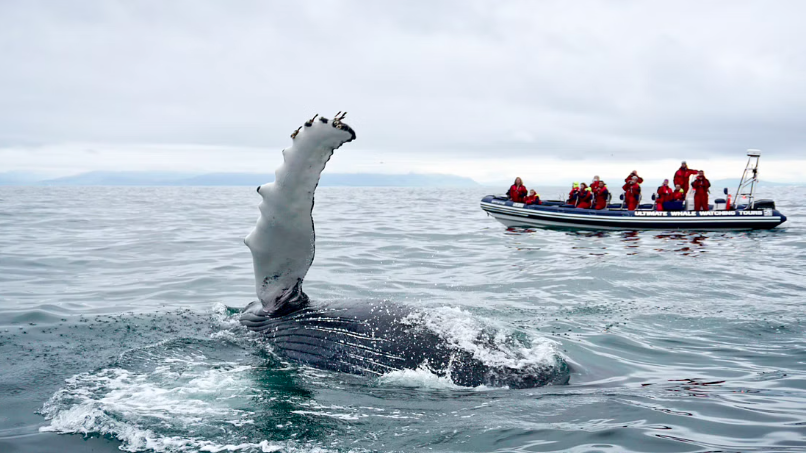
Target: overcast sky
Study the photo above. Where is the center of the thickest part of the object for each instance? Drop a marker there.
(551, 91)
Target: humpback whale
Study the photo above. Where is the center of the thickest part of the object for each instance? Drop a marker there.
(365, 338)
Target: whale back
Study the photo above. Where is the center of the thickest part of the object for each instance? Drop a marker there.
(283, 240)
(373, 338)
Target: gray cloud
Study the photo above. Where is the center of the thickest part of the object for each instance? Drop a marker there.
(632, 79)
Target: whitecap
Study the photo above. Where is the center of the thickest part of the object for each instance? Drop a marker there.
(145, 410)
(493, 344)
(422, 377)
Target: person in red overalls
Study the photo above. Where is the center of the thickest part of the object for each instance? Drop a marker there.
(517, 192)
(632, 193)
(585, 198)
(533, 198)
(595, 184)
(664, 194)
(682, 175)
(679, 194)
(632, 175)
(701, 186)
(572, 195)
(601, 196)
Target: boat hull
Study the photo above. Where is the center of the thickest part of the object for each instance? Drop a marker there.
(520, 215)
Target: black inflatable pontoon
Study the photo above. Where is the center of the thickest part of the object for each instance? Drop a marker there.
(557, 214)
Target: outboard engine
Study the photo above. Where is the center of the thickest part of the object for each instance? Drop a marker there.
(764, 204)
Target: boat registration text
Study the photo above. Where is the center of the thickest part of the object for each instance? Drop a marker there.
(698, 213)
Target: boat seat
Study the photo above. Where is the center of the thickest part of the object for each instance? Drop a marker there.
(672, 205)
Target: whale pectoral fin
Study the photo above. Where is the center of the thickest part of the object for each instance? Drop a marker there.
(290, 301)
(258, 315)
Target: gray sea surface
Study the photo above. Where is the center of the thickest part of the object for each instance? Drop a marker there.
(118, 327)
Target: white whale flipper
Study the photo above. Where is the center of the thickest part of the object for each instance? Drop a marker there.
(283, 241)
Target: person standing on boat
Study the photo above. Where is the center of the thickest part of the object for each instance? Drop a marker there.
(664, 194)
(601, 196)
(517, 192)
(632, 193)
(585, 198)
(595, 184)
(573, 194)
(533, 198)
(633, 175)
(682, 175)
(701, 186)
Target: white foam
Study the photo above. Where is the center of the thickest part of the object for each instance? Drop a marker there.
(169, 408)
(264, 446)
(493, 345)
(335, 415)
(133, 406)
(231, 330)
(225, 320)
(422, 377)
(219, 311)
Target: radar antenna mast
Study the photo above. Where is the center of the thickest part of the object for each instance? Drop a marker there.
(747, 186)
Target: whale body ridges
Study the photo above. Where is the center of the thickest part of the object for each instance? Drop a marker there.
(375, 338)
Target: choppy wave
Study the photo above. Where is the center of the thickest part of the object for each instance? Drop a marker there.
(492, 343)
(679, 341)
(174, 396)
(197, 394)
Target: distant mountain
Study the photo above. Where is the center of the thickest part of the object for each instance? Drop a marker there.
(102, 178)
(225, 179)
(398, 180)
(734, 183)
(117, 178)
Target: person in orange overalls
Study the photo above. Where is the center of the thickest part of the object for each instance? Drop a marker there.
(664, 194)
(679, 194)
(682, 175)
(632, 175)
(533, 198)
(632, 193)
(573, 194)
(601, 196)
(595, 184)
(517, 191)
(585, 198)
(701, 186)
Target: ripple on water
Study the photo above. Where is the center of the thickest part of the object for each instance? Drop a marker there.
(678, 341)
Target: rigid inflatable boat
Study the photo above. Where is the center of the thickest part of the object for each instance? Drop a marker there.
(752, 214)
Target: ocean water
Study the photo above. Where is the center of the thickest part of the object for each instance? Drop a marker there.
(118, 328)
